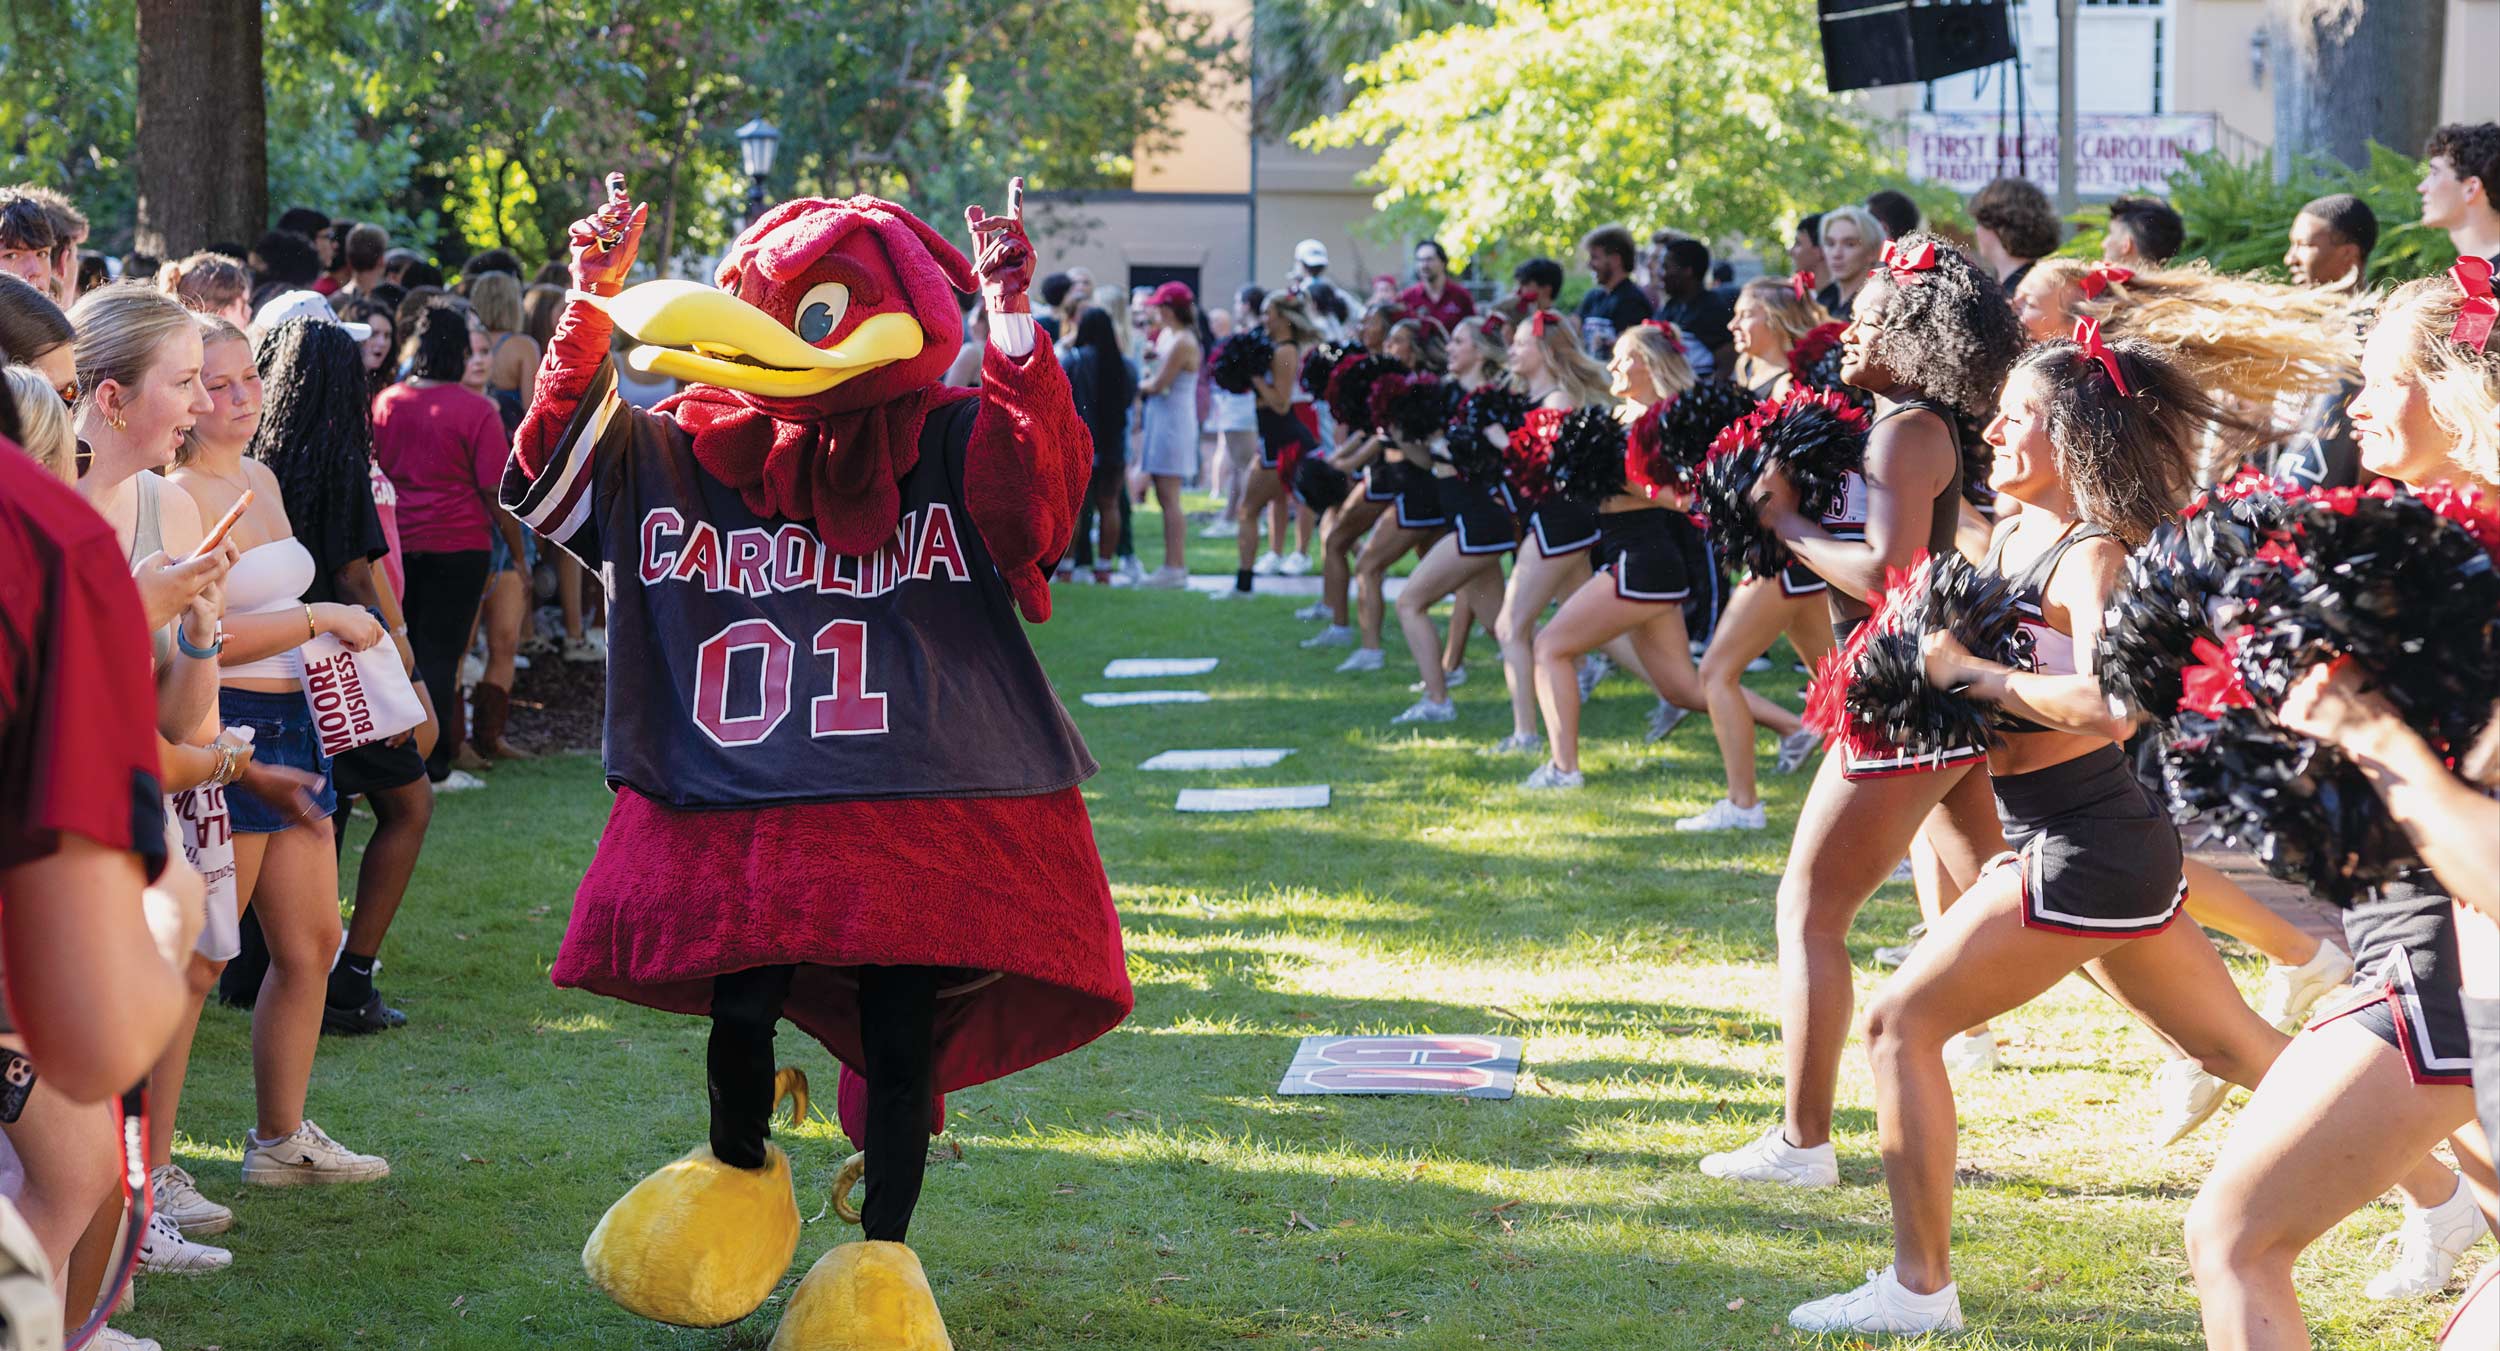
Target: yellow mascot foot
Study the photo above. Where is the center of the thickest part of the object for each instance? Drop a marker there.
(698, 1243)
(863, 1297)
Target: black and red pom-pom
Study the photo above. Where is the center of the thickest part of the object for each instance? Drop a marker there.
(1472, 452)
(1813, 437)
(1586, 462)
(1350, 389)
(1879, 694)
(1664, 447)
(1247, 353)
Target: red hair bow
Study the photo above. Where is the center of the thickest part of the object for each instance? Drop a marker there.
(1802, 285)
(2102, 277)
(2480, 310)
(2088, 336)
(1536, 324)
(1666, 328)
(1906, 264)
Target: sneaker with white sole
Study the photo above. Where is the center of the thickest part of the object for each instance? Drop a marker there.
(1901, 872)
(1166, 579)
(2187, 1096)
(1900, 956)
(1359, 660)
(1550, 776)
(113, 1339)
(1267, 565)
(1757, 666)
(1726, 815)
(583, 652)
(1883, 1304)
(1770, 1158)
(1969, 1052)
(1131, 571)
(1220, 528)
(163, 1251)
(459, 781)
(1335, 635)
(1295, 565)
(1450, 680)
(1594, 668)
(1312, 613)
(1425, 710)
(307, 1157)
(1517, 743)
(1230, 593)
(1797, 748)
(2427, 1245)
(2291, 991)
(1663, 720)
(178, 1198)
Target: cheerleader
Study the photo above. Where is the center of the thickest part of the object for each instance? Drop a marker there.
(1641, 582)
(1547, 362)
(2092, 441)
(1415, 516)
(1778, 327)
(1929, 337)
(2368, 1088)
(1465, 563)
(1342, 531)
(1283, 426)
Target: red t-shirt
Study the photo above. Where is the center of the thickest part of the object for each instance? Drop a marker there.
(1454, 307)
(77, 693)
(443, 448)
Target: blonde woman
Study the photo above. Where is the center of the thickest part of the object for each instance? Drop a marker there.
(1286, 421)
(1547, 361)
(1466, 563)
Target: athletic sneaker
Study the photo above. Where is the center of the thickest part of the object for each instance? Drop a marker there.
(1770, 1158)
(1901, 872)
(363, 1020)
(1295, 565)
(1312, 613)
(1883, 1304)
(178, 1199)
(459, 781)
(1361, 659)
(308, 1156)
(1663, 720)
(2427, 1245)
(1797, 748)
(1222, 527)
(583, 652)
(1450, 680)
(1965, 1052)
(1757, 666)
(1550, 775)
(1335, 635)
(1726, 815)
(2291, 991)
(1425, 710)
(1131, 571)
(1166, 579)
(1517, 743)
(1267, 565)
(113, 1339)
(1594, 668)
(2188, 1096)
(1066, 571)
(163, 1251)
(1230, 593)
(1900, 956)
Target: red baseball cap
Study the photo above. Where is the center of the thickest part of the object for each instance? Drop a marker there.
(1174, 293)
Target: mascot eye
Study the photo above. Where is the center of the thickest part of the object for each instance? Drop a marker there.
(822, 308)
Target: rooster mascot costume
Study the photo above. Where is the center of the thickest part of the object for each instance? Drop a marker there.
(845, 792)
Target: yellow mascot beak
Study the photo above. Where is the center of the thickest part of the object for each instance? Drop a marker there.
(704, 335)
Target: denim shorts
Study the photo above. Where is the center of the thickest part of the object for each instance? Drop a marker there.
(282, 734)
(499, 558)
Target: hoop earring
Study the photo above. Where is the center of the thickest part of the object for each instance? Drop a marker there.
(115, 422)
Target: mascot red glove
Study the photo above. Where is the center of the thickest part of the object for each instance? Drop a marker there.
(845, 792)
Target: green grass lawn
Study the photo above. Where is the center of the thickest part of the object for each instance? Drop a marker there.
(1149, 1191)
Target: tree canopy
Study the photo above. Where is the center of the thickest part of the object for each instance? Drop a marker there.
(1554, 116)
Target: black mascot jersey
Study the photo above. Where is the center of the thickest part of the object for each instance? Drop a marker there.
(768, 671)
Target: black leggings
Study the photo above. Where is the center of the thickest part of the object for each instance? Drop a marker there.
(1083, 544)
(441, 602)
(897, 1035)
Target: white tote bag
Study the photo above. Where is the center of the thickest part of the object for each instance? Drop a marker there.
(357, 698)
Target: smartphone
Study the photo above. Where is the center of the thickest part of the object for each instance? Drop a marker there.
(217, 533)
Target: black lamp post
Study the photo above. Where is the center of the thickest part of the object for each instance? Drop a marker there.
(757, 141)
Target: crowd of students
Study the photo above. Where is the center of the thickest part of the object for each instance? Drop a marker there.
(294, 450)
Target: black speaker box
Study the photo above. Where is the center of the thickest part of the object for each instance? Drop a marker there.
(1867, 43)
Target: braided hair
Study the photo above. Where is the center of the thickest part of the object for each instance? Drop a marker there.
(316, 435)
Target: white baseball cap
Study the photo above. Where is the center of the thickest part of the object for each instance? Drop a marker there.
(304, 305)
(1311, 253)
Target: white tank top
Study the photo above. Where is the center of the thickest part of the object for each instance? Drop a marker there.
(266, 580)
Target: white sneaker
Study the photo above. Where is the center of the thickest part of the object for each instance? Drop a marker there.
(472, 670)
(1901, 872)
(1449, 680)
(113, 1339)
(1166, 579)
(582, 651)
(1726, 815)
(1594, 668)
(2188, 1096)
(164, 1251)
(1230, 593)
(1295, 565)
(1066, 571)
(1360, 659)
(1312, 613)
(1883, 1304)
(459, 781)
(178, 1198)
(1798, 748)
(1968, 1052)
(1517, 743)
(2291, 991)
(2428, 1244)
(1335, 635)
(1222, 527)
(1132, 570)
(1425, 710)
(1900, 956)
(1552, 776)
(1267, 565)
(308, 1156)
(1770, 1158)
(1663, 720)
(1757, 666)
(520, 663)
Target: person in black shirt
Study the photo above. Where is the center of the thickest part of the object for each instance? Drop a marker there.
(2142, 231)
(1534, 284)
(1615, 305)
(2014, 227)
(2330, 247)
(1692, 307)
(1895, 211)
